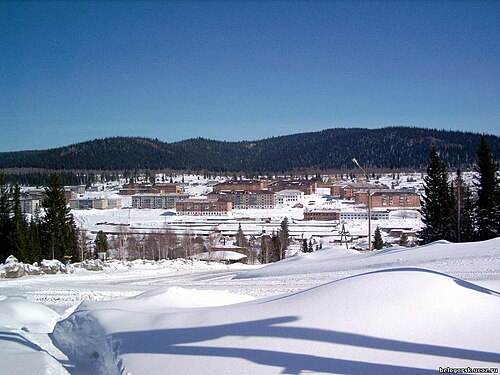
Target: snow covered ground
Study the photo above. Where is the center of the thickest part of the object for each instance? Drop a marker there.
(398, 310)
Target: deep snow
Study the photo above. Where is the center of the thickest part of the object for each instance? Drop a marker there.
(399, 310)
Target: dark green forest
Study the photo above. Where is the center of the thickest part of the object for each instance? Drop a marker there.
(332, 149)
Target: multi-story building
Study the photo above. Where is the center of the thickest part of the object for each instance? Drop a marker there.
(257, 199)
(166, 188)
(29, 205)
(157, 188)
(389, 199)
(289, 197)
(348, 190)
(308, 187)
(240, 185)
(94, 203)
(204, 207)
(152, 200)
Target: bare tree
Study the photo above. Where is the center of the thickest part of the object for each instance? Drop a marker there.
(84, 248)
(170, 240)
(187, 244)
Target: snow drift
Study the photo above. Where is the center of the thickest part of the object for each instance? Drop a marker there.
(404, 321)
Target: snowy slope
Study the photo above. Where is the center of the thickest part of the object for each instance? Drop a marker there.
(470, 261)
(402, 310)
(402, 321)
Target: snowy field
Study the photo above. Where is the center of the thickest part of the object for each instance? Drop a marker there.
(393, 311)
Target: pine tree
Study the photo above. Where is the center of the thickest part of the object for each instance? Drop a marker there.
(34, 243)
(59, 229)
(436, 202)
(101, 242)
(305, 249)
(19, 231)
(488, 193)
(403, 241)
(5, 219)
(240, 237)
(468, 231)
(284, 237)
(378, 242)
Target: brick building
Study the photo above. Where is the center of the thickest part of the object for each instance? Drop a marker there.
(205, 207)
(241, 185)
(256, 199)
(322, 215)
(389, 198)
(157, 188)
(308, 187)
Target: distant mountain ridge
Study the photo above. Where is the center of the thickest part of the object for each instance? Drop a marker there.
(391, 147)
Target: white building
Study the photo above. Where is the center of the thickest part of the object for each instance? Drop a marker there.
(289, 197)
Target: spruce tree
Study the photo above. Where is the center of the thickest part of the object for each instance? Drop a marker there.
(403, 241)
(101, 242)
(305, 249)
(59, 229)
(5, 219)
(284, 237)
(378, 242)
(33, 241)
(468, 232)
(19, 231)
(436, 202)
(240, 237)
(488, 193)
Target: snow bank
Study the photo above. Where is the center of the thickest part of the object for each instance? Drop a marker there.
(405, 321)
(220, 256)
(470, 261)
(13, 269)
(19, 313)
(18, 355)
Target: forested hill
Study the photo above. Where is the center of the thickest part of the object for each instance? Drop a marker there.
(394, 147)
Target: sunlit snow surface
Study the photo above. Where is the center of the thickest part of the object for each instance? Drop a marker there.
(333, 311)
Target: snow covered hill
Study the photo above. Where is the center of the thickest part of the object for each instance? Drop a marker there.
(399, 310)
(401, 321)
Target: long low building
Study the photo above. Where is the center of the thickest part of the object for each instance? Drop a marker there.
(94, 203)
(163, 201)
(322, 215)
(258, 199)
(203, 207)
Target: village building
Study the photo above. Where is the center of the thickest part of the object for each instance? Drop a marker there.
(363, 215)
(240, 185)
(400, 199)
(322, 215)
(256, 199)
(146, 188)
(204, 207)
(29, 205)
(348, 191)
(308, 187)
(157, 200)
(289, 197)
(94, 203)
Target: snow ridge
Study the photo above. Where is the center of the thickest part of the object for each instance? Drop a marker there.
(86, 344)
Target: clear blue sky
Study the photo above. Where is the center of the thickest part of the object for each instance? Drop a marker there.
(233, 70)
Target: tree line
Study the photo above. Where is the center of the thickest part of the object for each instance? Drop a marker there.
(51, 236)
(450, 209)
(167, 244)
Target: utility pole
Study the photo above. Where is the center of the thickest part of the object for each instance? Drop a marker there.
(369, 204)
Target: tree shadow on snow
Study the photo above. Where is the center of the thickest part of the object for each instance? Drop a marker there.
(169, 341)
